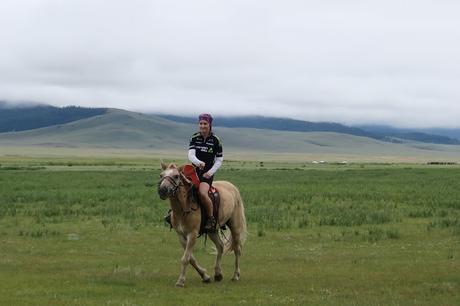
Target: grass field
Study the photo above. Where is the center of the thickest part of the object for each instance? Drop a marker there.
(89, 231)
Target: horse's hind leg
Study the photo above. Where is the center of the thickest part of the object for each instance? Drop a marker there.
(201, 271)
(220, 250)
(237, 250)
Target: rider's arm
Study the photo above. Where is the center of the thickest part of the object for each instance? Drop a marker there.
(192, 153)
(217, 164)
(192, 157)
(219, 158)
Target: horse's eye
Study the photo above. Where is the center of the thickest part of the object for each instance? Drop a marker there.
(176, 177)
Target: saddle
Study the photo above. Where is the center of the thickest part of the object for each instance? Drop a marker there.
(215, 199)
(213, 193)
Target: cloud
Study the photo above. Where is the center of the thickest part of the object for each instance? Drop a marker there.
(348, 61)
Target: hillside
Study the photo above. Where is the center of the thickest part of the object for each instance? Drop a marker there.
(114, 128)
(434, 135)
(388, 134)
(32, 116)
(279, 124)
(452, 132)
(128, 130)
(28, 117)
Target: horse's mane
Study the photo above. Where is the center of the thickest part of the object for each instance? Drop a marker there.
(192, 195)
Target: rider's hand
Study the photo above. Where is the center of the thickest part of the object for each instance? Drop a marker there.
(207, 175)
(201, 165)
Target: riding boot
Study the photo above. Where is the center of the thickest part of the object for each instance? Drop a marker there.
(210, 226)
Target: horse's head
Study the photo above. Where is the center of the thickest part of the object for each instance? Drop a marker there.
(171, 178)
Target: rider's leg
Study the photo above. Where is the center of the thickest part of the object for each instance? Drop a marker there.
(206, 202)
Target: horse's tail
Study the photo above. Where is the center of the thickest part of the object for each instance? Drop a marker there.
(238, 227)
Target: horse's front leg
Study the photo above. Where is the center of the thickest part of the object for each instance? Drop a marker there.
(220, 250)
(201, 271)
(190, 243)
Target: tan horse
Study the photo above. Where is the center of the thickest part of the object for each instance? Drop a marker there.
(186, 220)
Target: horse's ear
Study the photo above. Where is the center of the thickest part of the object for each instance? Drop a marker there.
(181, 169)
(163, 166)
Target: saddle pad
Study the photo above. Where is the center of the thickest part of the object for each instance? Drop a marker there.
(190, 173)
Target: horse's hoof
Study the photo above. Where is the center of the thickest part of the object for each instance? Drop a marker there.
(218, 277)
(180, 284)
(207, 279)
(235, 279)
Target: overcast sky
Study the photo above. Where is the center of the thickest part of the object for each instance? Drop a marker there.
(393, 61)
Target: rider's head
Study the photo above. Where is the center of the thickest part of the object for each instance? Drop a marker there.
(205, 123)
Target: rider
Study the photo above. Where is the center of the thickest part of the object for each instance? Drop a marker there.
(205, 152)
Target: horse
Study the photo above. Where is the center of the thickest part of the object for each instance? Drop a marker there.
(186, 221)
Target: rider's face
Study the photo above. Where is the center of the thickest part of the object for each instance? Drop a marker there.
(204, 127)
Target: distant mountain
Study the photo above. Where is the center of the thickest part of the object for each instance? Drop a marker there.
(452, 133)
(279, 124)
(27, 117)
(119, 129)
(439, 136)
(383, 133)
(30, 116)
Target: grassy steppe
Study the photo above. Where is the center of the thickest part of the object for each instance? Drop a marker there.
(89, 232)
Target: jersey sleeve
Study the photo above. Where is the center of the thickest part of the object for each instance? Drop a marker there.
(219, 150)
(192, 143)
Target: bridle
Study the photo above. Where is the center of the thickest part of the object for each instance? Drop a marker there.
(172, 181)
(176, 187)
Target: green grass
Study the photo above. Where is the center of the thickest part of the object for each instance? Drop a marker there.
(338, 235)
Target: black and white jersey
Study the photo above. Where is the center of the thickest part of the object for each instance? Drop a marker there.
(207, 149)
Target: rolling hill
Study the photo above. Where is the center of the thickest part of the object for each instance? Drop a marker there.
(434, 135)
(28, 117)
(128, 130)
(388, 134)
(31, 116)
